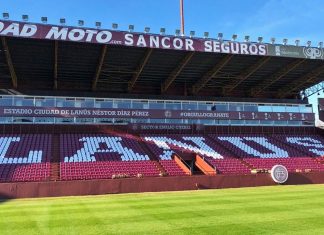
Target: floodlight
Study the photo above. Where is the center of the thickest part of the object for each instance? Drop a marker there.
(260, 39)
(131, 28)
(62, 21)
(147, 29)
(234, 37)
(192, 33)
(115, 26)
(309, 43)
(98, 24)
(285, 41)
(5, 15)
(81, 23)
(206, 34)
(44, 19)
(273, 40)
(220, 36)
(320, 44)
(25, 17)
(177, 32)
(162, 31)
(297, 41)
(247, 38)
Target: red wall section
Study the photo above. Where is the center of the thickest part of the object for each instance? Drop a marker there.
(154, 184)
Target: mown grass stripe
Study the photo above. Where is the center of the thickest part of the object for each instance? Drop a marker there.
(262, 210)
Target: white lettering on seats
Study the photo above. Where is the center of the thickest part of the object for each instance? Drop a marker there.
(276, 152)
(165, 142)
(34, 156)
(91, 146)
(316, 146)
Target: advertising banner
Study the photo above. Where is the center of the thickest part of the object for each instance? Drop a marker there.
(14, 111)
(124, 38)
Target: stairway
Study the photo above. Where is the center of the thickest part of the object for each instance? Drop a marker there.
(204, 166)
(55, 171)
(160, 167)
(182, 164)
(55, 160)
(152, 157)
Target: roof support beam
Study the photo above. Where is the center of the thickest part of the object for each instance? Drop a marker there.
(275, 77)
(99, 67)
(173, 75)
(9, 63)
(247, 73)
(210, 74)
(55, 63)
(300, 82)
(139, 69)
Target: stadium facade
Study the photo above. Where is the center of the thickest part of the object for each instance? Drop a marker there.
(81, 106)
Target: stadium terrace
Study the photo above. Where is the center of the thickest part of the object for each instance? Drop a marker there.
(94, 117)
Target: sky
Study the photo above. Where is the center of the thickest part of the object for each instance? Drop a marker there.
(291, 19)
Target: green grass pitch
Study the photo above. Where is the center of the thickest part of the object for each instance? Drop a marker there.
(261, 210)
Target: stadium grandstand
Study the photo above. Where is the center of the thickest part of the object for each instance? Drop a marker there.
(94, 111)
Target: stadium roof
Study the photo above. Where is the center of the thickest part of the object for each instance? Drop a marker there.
(134, 63)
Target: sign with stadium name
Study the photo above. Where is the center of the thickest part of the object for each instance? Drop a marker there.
(77, 34)
(12, 111)
(165, 127)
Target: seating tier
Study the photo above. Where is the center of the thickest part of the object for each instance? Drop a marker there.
(105, 170)
(172, 168)
(229, 166)
(25, 157)
(259, 146)
(310, 145)
(292, 164)
(163, 146)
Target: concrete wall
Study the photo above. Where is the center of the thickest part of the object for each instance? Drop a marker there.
(150, 184)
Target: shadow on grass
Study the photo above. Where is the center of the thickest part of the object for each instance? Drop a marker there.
(200, 186)
(4, 198)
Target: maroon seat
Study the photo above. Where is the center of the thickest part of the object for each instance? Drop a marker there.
(105, 170)
(172, 168)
